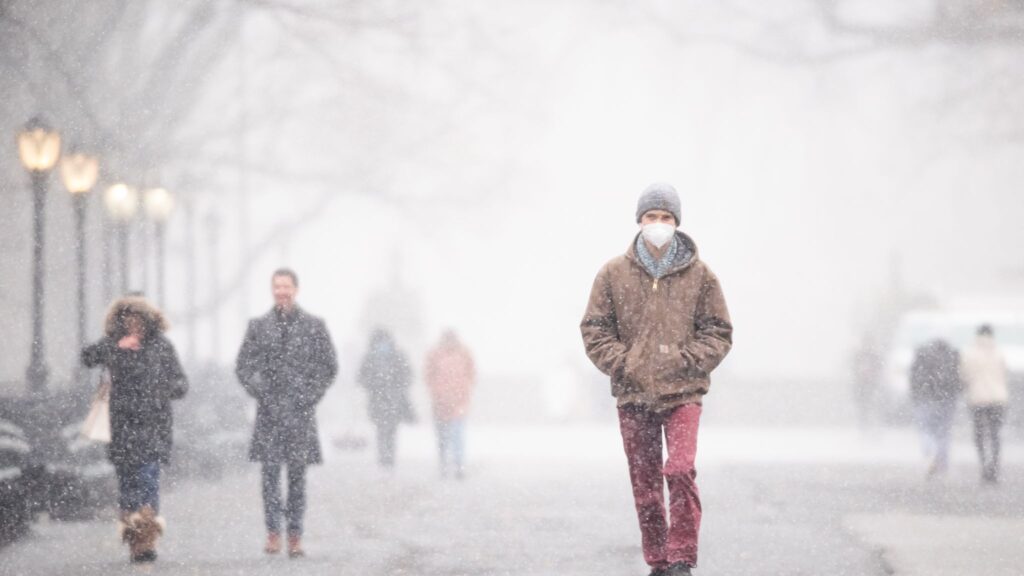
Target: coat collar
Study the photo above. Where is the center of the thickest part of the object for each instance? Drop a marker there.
(686, 255)
(297, 314)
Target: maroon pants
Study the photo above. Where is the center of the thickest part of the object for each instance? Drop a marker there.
(672, 537)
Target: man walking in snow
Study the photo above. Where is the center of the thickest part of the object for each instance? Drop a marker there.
(657, 324)
(286, 363)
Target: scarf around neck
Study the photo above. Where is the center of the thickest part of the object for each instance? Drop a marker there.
(656, 268)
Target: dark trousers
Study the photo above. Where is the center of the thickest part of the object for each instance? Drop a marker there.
(387, 433)
(988, 420)
(138, 485)
(273, 507)
(664, 542)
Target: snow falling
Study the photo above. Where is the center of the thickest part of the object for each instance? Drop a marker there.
(511, 288)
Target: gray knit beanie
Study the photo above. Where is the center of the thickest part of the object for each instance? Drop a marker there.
(659, 196)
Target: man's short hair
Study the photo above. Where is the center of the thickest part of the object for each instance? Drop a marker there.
(286, 272)
(985, 330)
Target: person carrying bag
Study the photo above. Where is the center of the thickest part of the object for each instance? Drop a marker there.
(145, 376)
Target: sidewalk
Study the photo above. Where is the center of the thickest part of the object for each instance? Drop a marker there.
(919, 545)
(548, 500)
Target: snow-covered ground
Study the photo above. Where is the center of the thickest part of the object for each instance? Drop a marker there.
(547, 500)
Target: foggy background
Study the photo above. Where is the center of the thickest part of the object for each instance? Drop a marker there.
(471, 165)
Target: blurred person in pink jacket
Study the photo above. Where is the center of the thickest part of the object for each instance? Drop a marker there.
(450, 377)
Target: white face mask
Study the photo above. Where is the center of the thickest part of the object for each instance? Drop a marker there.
(658, 234)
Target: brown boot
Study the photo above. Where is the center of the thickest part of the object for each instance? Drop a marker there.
(295, 546)
(148, 527)
(126, 528)
(273, 545)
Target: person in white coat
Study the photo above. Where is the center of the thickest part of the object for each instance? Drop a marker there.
(983, 368)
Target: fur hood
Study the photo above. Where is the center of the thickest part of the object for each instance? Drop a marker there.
(134, 306)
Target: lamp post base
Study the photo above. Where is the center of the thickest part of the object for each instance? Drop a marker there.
(36, 376)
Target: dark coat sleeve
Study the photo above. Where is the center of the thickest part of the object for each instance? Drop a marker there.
(403, 371)
(713, 329)
(918, 375)
(100, 353)
(324, 366)
(173, 376)
(247, 364)
(365, 376)
(600, 329)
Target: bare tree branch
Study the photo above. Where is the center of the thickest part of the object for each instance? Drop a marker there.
(967, 23)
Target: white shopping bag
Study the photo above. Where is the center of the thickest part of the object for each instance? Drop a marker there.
(97, 423)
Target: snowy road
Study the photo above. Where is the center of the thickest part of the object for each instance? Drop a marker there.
(547, 501)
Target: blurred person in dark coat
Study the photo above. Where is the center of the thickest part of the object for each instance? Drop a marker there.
(145, 376)
(286, 362)
(934, 390)
(867, 374)
(386, 375)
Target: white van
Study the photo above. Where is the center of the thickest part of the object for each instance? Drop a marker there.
(958, 327)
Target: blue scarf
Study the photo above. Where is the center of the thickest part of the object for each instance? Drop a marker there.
(656, 268)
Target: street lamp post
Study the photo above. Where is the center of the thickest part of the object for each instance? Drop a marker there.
(79, 172)
(39, 149)
(159, 204)
(122, 202)
(213, 230)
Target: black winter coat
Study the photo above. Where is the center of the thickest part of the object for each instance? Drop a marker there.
(286, 364)
(143, 383)
(935, 373)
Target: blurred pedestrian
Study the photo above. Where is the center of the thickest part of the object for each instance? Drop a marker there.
(867, 374)
(657, 324)
(983, 367)
(934, 390)
(145, 376)
(286, 363)
(450, 377)
(386, 375)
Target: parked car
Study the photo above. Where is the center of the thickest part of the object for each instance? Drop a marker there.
(15, 512)
(81, 481)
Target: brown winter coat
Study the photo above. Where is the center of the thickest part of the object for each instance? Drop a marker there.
(658, 340)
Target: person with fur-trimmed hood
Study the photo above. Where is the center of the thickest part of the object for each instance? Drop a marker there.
(287, 362)
(145, 376)
(657, 324)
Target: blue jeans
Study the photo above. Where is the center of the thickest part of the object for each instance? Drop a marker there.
(451, 443)
(935, 420)
(138, 485)
(273, 507)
